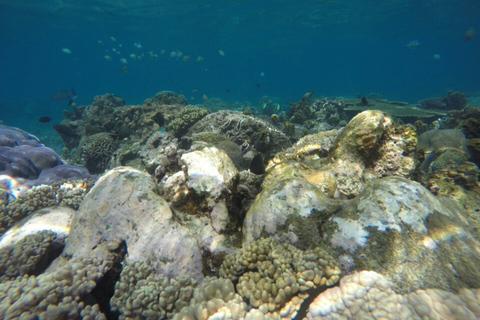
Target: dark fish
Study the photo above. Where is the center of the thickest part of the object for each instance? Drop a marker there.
(364, 101)
(44, 119)
(307, 95)
(227, 90)
(63, 94)
(258, 85)
(60, 95)
(256, 165)
(469, 34)
(110, 13)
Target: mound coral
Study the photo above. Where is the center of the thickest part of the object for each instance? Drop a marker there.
(368, 295)
(97, 151)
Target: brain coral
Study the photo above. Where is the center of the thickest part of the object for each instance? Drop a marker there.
(97, 151)
(184, 119)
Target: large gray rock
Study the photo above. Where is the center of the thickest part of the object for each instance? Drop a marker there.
(123, 205)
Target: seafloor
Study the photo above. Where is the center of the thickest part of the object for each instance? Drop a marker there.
(328, 208)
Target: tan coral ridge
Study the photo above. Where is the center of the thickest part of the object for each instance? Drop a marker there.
(370, 146)
(368, 295)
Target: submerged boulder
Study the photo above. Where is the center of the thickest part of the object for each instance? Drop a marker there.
(123, 206)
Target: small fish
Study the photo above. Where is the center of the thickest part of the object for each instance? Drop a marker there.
(364, 101)
(257, 166)
(227, 90)
(200, 59)
(277, 107)
(436, 56)
(307, 95)
(67, 51)
(186, 58)
(413, 44)
(221, 52)
(113, 39)
(204, 97)
(44, 119)
(469, 34)
(124, 69)
(101, 43)
(258, 85)
(63, 94)
(108, 58)
(123, 60)
(264, 105)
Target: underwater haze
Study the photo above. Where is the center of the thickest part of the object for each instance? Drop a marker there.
(236, 50)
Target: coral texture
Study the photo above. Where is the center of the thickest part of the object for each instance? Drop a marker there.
(269, 274)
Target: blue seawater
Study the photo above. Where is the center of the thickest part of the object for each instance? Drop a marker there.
(278, 48)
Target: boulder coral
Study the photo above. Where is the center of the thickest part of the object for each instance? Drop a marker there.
(369, 295)
(123, 205)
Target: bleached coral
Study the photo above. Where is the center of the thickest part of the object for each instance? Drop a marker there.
(368, 295)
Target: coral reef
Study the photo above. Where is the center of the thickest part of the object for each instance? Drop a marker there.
(205, 241)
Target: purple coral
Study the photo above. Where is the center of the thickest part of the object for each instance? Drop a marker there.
(24, 158)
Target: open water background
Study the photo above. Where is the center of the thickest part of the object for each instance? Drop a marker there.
(337, 48)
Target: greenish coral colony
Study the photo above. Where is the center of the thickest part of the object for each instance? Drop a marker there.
(26, 255)
(142, 294)
(268, 274)
(53, 295)
(184, 119)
